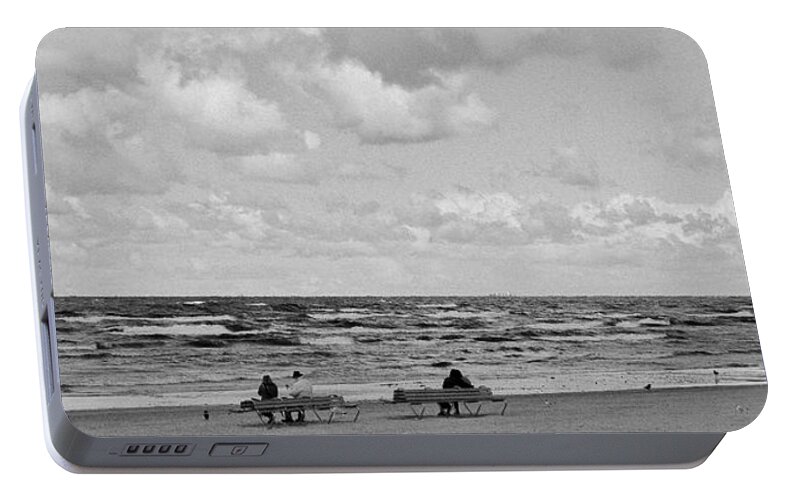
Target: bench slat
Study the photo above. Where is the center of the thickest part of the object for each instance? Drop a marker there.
(318, 403)
(443, 395)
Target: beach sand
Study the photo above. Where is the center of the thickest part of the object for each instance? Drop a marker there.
(693, 409)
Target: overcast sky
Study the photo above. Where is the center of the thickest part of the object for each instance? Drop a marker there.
(384, 162)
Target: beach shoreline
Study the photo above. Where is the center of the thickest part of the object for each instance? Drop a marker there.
(722, 408)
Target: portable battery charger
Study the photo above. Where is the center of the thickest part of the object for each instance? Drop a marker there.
(384, 249)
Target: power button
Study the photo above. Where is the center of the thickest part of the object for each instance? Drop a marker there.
(238, 449)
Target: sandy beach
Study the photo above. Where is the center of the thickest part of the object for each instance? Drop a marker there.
(693, 409)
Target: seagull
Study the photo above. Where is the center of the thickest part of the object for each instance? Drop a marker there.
(206, 415)
(647, 387)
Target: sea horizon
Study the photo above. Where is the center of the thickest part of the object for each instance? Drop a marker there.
(192, 349)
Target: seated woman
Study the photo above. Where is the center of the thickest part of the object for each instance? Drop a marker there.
(268, 390)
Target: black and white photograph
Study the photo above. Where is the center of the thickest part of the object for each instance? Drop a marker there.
(393, 231)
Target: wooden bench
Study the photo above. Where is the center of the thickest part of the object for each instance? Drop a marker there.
(418, 398)
(335, 405)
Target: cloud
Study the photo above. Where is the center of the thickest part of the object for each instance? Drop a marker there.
(162, 126)
(339, 219)
(311, 140)
(463, 217)
(468, 217)
(216, 111)
(103, 163)
(278, 167)
(380, 112)
(420, 235)
(571, 166)
(506, 46)
(353, 171)
(166, 221)
(549, 222)
(629, 49)
(692, 140)
(87, 111)
(233, 153)
(414, 57)
(72, 59)
(76, 207)
(480, 208)
(627, 217)
(241, 221)
(291, 168)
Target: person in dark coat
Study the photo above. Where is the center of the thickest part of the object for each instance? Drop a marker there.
(268, 390)
(455, 379)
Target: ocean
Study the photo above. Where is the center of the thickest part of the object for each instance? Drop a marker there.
(118, 352)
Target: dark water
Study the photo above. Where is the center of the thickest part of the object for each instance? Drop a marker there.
(172, 350)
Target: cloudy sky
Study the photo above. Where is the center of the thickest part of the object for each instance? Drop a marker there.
(384, 162)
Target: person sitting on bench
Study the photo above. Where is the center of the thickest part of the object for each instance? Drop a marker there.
(455, 379)
(301, 388)
(268, 390)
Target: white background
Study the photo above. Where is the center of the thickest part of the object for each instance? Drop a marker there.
(750, 50)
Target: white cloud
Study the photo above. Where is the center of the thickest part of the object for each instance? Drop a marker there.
(214, 111)
(723, 208)
(482, 208)
(244, 222)
(87, 111)
(627, 216)
(420, 235)
(164, 125)
(380, 112)
(311, 140)
(469, 217)
(166, 221)
(217, 110)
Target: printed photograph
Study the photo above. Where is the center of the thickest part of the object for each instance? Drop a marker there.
(392, 231)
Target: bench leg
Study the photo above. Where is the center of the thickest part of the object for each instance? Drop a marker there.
(478, 409)
(317, 415)
(263, 421)
(335, 411)
(506, 403)
(418, 415)
(467, 408)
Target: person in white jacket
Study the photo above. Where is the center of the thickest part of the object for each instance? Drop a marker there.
(301, 388)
